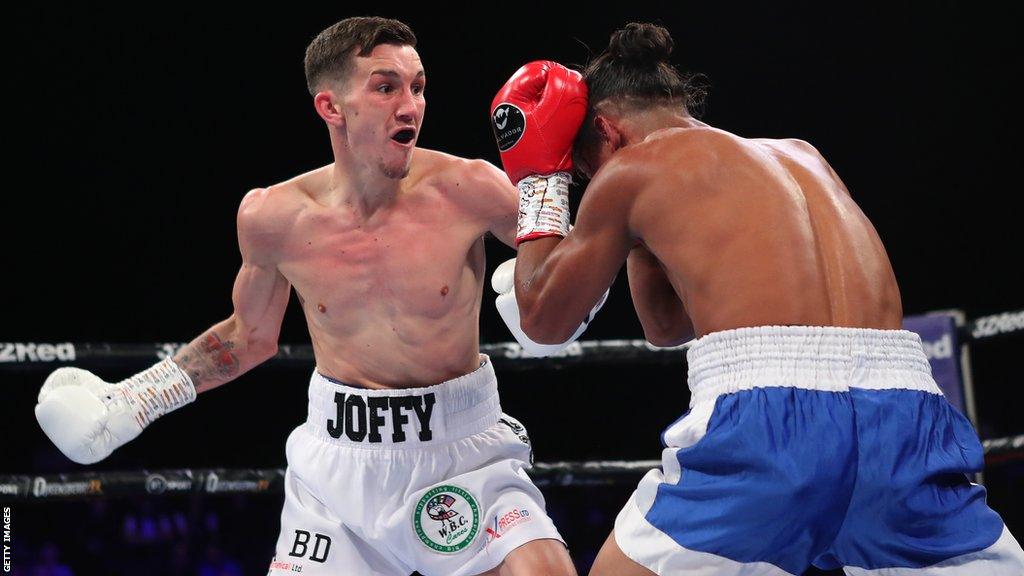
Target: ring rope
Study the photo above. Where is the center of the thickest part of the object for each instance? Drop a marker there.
(505, 355)
(221, 481)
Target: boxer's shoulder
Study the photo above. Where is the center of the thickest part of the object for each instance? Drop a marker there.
(270, 206)
(266, 215)
(289, 195)
(480, 179)
(710, 147)
(284, 199)
(800, 152)
(429, 160)
(256, 223)
(703, 146)
(656, 164)
(474, 178)
(448, 168)
(690, 158)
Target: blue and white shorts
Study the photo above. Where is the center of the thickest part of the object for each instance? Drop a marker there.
(824, 446)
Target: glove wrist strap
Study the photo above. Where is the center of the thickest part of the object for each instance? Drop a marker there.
(543, 206)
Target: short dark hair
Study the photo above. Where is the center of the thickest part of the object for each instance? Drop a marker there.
(329, 55)
(634, 71)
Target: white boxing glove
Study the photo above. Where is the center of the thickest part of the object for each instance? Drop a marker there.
(87, 418)
(503, 283)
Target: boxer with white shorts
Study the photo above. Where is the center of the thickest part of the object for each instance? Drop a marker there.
(387, 481)
(816, 435)
(410, 465)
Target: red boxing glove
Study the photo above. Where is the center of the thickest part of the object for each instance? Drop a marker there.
(536, 116)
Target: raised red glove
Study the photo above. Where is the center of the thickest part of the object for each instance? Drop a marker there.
(535, 117)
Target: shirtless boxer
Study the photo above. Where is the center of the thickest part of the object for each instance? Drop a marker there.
(406, 461)
(816, 434)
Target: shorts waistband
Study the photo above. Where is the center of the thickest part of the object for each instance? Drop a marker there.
(403, 417)
(810, 357)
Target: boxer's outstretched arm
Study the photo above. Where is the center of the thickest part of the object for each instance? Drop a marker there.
(659, 308)
(558, 281)
(488, 195)
(260, 296)
(87, 418)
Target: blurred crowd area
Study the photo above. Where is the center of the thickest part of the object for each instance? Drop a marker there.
(236, 535)
(155, 537)
(221, 535)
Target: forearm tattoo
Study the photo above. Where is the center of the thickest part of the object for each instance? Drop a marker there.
(208, 359)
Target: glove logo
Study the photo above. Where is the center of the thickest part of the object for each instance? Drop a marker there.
(509, 124)
(501, 118)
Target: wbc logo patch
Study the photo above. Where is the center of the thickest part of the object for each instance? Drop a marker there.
(446, 519)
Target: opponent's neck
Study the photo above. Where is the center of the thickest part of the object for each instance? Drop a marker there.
(638, 126)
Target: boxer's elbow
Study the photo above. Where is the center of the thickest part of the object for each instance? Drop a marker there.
(263, 349)
(548, 333)
(665, 340)
(664, 321)
(261, 346)
(255, 343)
(544, 326)
(664, 336)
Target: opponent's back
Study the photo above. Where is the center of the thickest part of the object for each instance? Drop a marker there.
(759, 232)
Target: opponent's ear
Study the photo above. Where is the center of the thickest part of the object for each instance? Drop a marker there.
(328, 108)
(609, 132)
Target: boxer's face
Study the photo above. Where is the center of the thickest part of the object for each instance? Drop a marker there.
(383, 107)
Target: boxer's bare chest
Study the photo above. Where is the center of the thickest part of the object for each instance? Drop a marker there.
(416, 258)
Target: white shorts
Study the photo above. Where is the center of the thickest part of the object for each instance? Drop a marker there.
(387, 482)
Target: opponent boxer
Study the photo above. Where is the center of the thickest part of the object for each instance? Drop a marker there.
(816, 434)
(406, 461)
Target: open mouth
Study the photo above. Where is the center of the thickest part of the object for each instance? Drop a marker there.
(404, 136)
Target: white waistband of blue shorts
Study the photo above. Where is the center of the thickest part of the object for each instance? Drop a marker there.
(403, 417)
(810, 357)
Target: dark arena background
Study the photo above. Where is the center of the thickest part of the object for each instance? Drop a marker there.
(132, 136)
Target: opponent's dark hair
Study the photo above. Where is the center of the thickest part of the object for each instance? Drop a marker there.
(329, 57)
(634, 71)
